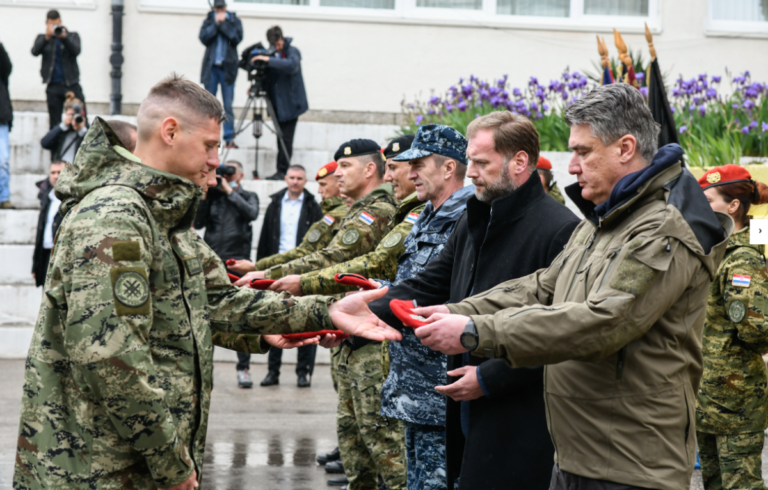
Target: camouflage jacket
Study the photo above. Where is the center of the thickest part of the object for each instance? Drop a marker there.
(732, 397)
(361, 229)
(119, 371)
(409, 391)
(381, 262)
(317, 238)
(554, 193)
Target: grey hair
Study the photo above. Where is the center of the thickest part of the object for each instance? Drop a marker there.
(236, 164)
(616, 110)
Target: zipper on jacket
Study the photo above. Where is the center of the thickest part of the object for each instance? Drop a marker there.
(581, 263)
(621, 357)
(612, 256)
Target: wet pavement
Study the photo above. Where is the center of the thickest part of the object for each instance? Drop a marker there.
(261, 438)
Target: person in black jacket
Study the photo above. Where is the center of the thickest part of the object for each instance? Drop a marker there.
(47, 223)
(6, 122)
(285, 87)
(65, 139)
(496, 431)
(221, 32)
(59, 68)
(290, 214)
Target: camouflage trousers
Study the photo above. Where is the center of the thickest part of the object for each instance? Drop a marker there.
(425, 446)
(335, 358)
(731, 462)
(370, 444)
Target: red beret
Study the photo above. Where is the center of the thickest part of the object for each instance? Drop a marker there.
(326, 169)
(727, 174)
(544, 164)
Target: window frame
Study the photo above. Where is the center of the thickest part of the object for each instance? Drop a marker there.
(733, 28)
(406, 12)
(51, 4)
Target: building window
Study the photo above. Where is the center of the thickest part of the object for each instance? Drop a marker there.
(539, 8)
(740, 10)
(367, 4)
(277, 2)
(636, 8)
(451, 4)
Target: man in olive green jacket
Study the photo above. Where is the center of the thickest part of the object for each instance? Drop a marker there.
(618, 316)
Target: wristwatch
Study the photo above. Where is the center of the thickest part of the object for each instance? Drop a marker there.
(469, 338)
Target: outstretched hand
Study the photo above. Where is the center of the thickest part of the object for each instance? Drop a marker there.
(353, 316)
(464, 389)
(246, 279)
(443, 333)
(282, 343)
(291, 283)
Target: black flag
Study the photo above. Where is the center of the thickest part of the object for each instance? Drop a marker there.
(659, 105)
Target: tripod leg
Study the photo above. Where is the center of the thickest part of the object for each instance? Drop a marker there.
(240, 122)
(278, 131)
(256, 167)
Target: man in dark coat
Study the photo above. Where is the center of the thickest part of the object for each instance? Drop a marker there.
(277, 236)
(221, 32)
(47, 223)
(496, 431)
(6, 121)
(59, 68)
(285, 86)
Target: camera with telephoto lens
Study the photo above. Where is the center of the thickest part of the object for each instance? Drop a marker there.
(58, 30)
(223, 171)
(78, 117)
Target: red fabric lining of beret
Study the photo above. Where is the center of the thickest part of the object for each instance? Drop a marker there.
(230, 262)
(356, 280)
(232, 278)
(403, 310)
(261, 284)
(309, 335)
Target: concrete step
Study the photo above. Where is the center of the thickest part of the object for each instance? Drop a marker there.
(19, 303)
(17, 266)
(18, 226)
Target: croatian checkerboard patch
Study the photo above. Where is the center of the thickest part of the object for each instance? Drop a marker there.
(741, 281)
(366, 218)
(328, 220)
(411, 218)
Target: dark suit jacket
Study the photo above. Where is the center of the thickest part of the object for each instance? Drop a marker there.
(269, 241)
(39, 262)
(508, 444)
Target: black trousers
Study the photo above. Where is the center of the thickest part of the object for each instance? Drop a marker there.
(288, 129)
(56, 94)
(243, 361)
(562, 480)
(305, 363)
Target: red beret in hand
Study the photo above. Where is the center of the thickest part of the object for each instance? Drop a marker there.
(355, 280)
(309, 335)
(232, 278)
(403, 310)
(261, 284)
(230, 262)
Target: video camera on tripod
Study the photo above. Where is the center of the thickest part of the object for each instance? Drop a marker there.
(257, 70)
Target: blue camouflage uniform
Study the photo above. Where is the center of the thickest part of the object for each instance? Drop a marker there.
(408, 393)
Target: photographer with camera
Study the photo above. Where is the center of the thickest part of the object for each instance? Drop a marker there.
(64, 140)
(226, 213)
(60, 49)
(285, 88)
(221, 32)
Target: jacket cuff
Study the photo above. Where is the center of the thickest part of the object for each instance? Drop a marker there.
(170, 464)
(275, 272)
(487, 336)
(461, 309)
(482, 383)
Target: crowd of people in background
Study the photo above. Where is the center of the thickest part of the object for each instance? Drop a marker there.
(489, 331)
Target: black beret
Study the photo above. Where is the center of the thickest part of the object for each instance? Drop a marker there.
(355, 148)
(398, 145)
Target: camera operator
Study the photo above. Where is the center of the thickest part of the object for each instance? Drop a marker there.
(221, 32)
(60, 49)
(226, 213)
(64, 140)
(285, 87)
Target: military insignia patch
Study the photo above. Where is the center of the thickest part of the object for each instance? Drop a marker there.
(713, 178)
(313, 236)
(348, 150)
(411, 218)
(322, 173)
(366, 218)
(193, 266)
(737, 311)
(395, 146)
(392, 240)
(741, 280)
(131, 289)
(328, 219)
(350, 237)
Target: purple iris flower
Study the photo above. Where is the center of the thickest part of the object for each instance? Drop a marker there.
(745, 129)
(703, 76)
(516, 92)
(711, 93)
(539, 115)
(702, 110)
(466, 90)
(753, 125)
(546, 108)
(462, 106)
(419, 118)
(765, 127)
(434, 100)
(484, 94)
(431, 112)
(716, 79)
(448, 107)
(735, 106)
(672, 108)
(676, 92)
(692, 107)
(575, 75)
(640, 76)
(748, 105)
(644, 91)
(533, 81)
(682, 129)
(534, 106)
(697, 100)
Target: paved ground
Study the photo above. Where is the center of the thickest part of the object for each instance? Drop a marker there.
(265, 438)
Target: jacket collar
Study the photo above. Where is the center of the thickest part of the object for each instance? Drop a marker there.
(171, 199)
(434, 220)
(384, 190)
(741, 239)
(331, 203)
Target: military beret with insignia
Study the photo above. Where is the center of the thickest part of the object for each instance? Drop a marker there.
(398, 146)
(356, 148)
(439, 139)
(727, 174)
(544, 164)
(326, 170)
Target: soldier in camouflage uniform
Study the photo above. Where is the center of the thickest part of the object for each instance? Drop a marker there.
(119, 371)
(319, 234)
(732, 404)
(408, 394)
(544, 168)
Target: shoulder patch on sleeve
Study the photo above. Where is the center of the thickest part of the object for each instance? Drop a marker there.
(350, 237)
(328, 219)
(633, 277)
(411, 218)
(314, 235)
(737, 310)
(126, 250)
(741, 280)
(366, 218)
(392, 240)
(130, 289)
